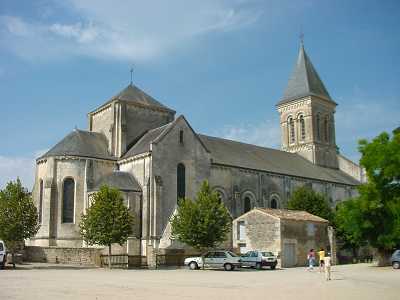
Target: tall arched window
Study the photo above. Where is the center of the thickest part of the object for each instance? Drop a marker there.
(68, 201)
(326, 129)
(180, 181)
(318, 125)
(291, 130)
(40, 201)
(247, 204)
(302, 128)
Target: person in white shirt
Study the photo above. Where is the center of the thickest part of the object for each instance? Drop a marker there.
(327, 266)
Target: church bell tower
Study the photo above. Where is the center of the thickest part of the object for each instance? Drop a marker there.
(307, 115)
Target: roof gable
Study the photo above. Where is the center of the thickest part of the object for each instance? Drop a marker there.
(304, 81)
(155, 136)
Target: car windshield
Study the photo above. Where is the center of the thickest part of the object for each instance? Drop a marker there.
(267, 254)
(1, 247)
(232, 254)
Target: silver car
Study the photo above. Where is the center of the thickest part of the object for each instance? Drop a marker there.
(215, 259)
(258, 259)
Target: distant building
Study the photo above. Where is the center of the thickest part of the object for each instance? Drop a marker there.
(136, 144)
(289, 234)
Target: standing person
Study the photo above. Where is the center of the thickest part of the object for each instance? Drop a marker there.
(321, 255)
(311, 259)
(327, 264)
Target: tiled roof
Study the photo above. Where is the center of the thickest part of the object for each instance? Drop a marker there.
(295, 215)
(122, 181)
(236, 154)
(135, 95)
(81, 143)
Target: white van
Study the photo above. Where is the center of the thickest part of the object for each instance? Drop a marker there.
(3, 255)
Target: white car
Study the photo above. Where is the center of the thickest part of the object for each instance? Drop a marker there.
(3, 255)
(215, 259)
(258, 259)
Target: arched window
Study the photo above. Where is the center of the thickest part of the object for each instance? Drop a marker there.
(318, 125)
(274, 201)
(68, 201)
(326, 129)
(40, 201)
(180, 180)
(302, 128)
(247, 204)
(291, 130)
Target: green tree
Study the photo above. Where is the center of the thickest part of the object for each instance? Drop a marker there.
(347, 220)
(305, 198)
(18, 216)
(107, 220)
(378, 204)
(203, 223)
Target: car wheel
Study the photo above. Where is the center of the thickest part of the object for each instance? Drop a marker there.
(228, 267)
(273, 267)
(193, 266)
(396, 265)
(258, 266)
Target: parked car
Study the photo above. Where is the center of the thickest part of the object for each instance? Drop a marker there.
(215, 259)
(396, 259)
(3, 255)
(258, 259)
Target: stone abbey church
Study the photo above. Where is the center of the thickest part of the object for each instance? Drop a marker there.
(138, 145)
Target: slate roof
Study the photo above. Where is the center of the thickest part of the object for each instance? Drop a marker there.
(295, 215)
(232, 153)
(135, 95)
(304, 81)
(122, 181)
(81, 143)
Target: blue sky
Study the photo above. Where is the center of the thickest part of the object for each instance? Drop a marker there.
(223, 64)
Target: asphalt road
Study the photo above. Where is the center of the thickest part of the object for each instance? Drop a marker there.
(45, 282)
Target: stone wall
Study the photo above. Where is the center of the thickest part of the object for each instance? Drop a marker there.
(80, 256)
(305, 235)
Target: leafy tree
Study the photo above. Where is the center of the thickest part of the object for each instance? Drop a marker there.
(18, 216)
(203, 223)
(378, 205)
(305, 198)
(347, 220)
(107, 220)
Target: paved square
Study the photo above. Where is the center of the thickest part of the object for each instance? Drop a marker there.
(40, 281)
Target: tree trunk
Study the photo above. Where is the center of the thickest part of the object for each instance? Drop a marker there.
(109, 256)
(383, 258)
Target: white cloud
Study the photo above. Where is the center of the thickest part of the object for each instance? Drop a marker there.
(265, 133)
(124, 30)
(20, 166)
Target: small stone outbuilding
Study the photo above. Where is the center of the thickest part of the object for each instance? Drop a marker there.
(289, 234)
